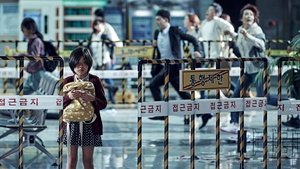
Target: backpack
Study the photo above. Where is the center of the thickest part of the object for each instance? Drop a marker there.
(50, 50)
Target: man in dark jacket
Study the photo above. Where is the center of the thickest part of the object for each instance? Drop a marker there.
(168, 41)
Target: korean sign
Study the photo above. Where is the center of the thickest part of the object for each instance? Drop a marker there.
(31, 102)
(204, 79)
(134, 51)
(201, 106)
(289, 107)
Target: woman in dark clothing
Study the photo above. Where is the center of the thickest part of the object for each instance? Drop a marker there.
(81, 63)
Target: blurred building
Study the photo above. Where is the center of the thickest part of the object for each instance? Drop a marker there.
(134, 19)
(9, 19)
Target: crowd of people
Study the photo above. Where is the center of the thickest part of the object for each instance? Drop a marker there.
(247, 41)
(214, 28)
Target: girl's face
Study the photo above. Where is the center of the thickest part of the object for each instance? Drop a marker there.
(26, 32)
(81, 69)
(247, 17)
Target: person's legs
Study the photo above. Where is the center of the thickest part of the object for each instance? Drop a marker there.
(87, 157)
(72, 157)
(204, 117)
(249, 78)
(234, 116)
(155, 84)
(109, 83)
(175, 83)
(111, 89)
(31, 84)
(259, 85)
(174, 80)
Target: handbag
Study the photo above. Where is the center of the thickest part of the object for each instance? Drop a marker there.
(79, 110)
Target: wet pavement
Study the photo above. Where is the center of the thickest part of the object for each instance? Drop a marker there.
(120, 144)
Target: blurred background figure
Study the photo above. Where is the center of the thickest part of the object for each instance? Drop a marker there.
(251, 43)
(169, 42)
(35, 47)
(101, 47)
(108, 29)
(192, 24)
(214, 28)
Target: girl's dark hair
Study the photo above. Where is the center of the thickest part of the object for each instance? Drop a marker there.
(77, 54)
(31, 26)
(95, 22)
(253, 9)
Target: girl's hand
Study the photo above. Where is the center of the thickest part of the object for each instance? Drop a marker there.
(87, 97)
(74, 94)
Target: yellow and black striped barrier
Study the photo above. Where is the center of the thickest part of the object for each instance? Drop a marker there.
(242, 135)
(21, 116)
(266, 88)
(80, 42)
(218, 129)
(242, 132)
(279, 122)
(166, 120)
(192, 127)
(20, 113)
(20, 92)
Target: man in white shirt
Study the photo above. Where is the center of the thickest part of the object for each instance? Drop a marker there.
(214, 28)
(105, 58)
(109, 30)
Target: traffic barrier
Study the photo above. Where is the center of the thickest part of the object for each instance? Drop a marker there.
(191, 107)
(81, 42)
(143, 52)
(17, 101)
(284, 107)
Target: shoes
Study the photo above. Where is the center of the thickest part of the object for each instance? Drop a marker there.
(205, 118)
(157, 118)
(231, 128)
(292, 122)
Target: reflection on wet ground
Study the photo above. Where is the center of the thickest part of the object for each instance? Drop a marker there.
(120, 144)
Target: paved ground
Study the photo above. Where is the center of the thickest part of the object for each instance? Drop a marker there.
(120, 140)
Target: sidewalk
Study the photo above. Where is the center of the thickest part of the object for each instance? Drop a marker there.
(120, 144)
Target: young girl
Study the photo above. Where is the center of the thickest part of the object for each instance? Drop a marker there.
(81, 63)
(35, 47)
